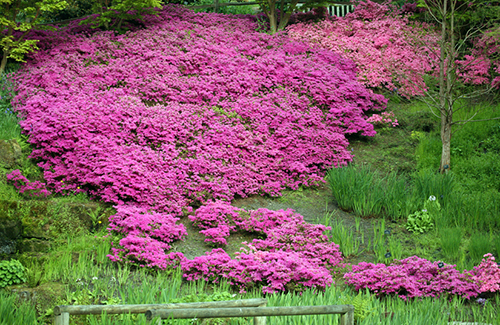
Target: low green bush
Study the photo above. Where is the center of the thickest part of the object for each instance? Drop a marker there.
(11, 272)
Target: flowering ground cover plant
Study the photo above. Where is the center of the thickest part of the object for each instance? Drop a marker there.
(193, 107)
(384, 44)
(292, 256)
(416, 277)
(24, 185)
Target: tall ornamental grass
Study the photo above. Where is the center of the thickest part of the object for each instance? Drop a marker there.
(366, 193)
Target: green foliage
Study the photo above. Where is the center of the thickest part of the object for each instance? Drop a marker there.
(451, 239)
(423, 221)
(357, 188)
(22, 16)
(232, 10)
(9, 122)
(363, 305)
(339, 234)
(113, 13)
(478, 246)
(15, 312)
(11, 272)
(75, 9)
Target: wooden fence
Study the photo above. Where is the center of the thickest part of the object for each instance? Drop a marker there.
(233, 308)
(62, 313)
(346, 312)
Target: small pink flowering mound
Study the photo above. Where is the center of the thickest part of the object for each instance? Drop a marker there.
(412, 277)
(482, 66)
(213, 220)
(384, 45)
(24, 185)
(147, 237)
(487, 274)
(383, 119)
(294, 254)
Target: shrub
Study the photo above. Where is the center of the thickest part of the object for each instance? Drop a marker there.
(487, 274)
(412, 277)
(227, 112)
(380, 42)
(11, 272)
(294, 254)
(21, 183)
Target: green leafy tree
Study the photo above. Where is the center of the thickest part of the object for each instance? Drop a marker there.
(112, 13)
(17, 19)
(456, 36)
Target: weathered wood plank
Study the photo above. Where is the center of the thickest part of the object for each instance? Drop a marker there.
(62, 319)
(139, 309)
(250, 312)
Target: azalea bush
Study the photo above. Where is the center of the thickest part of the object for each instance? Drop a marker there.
(416, 277)
(413, 277)
(384, 119)
(25, 186)
(385, 45)
(194, 107)
(292, 256)
(487, 274)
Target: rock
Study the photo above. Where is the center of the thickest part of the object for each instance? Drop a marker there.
(10, 153)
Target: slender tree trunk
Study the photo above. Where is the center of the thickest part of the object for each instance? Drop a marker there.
(446, 119)
(445, 110)
(272, 21)
(4, 62)
(6, 52)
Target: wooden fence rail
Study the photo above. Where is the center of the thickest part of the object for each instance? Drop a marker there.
(346, 312)
(62, 313)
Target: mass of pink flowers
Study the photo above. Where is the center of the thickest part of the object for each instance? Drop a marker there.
(293, 254)
(384, 119)
(384, 44)
(24, 185)
(487, 275)
(193, 107)
(146, 237)
(189, 109)
(417, 277)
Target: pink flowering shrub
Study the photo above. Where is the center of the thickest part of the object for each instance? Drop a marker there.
(385, 46)
(193, 107)
(413, 277)
(383, 119)
(294, 254)
(487, 274)
(147, 237)
(482, 66)
(24, 185)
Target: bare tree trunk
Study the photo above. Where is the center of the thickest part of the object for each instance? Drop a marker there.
(4, 62)
(6, 52)
(446, 119)
(272, 18)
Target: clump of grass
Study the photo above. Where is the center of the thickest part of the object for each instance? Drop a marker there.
(496, 245)
(451, 239)
(358, 189)
(349, 244)
(478, 246)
